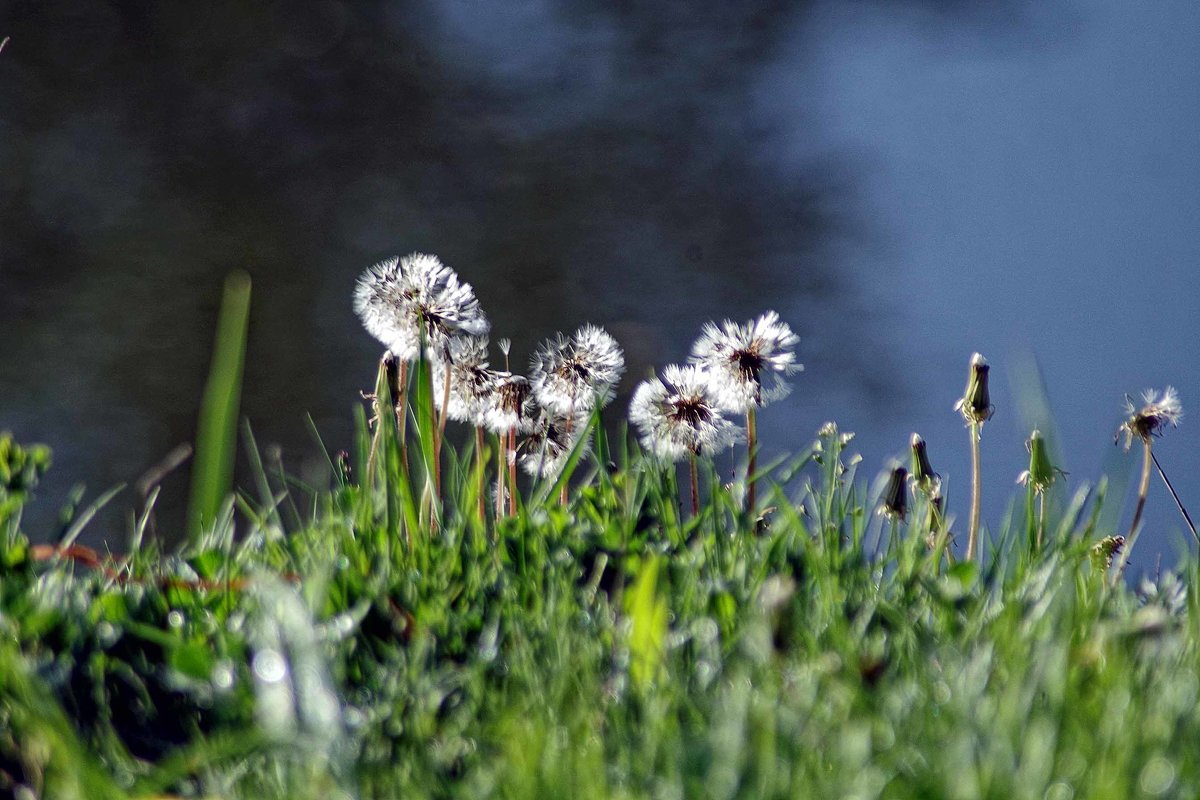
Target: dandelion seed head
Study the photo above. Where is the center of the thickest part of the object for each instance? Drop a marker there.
(398, 299)
(545, 449)
(510, 405)
(747, 363)
(471, 380)
(571, 375)
(1156, 413)
(379, 303)
(679, 414)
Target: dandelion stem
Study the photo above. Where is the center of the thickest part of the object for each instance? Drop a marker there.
(695, 485)
(441, 432)
(1143, 488)
(512, 471)
(563, 496)
(1178, 503)
(976, 491)
(501, 457)
(752, 457)
(401, 406)
(436, 432)
(1041, 529)
(480, 476)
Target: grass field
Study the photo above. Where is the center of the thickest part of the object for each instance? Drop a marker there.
(424, 626)
(341, 645)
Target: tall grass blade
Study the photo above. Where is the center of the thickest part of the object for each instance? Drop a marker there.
(216, 435)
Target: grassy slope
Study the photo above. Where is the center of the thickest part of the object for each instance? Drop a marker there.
(610, 650)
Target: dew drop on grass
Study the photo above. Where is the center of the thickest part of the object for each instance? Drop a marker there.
(1157, 776)
(269, 666)
(1059, 791)
(175, 619)
(222, 676)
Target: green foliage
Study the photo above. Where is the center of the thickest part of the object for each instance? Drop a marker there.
(339, 645)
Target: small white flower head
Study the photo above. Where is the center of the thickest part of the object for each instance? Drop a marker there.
(679, 414)
(401, 298)
(570, 375)
(510, 405)
(544, 450)
(471, 381)
(1157, 412)
(741, 359)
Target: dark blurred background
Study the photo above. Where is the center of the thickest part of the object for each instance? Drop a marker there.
(904, 182)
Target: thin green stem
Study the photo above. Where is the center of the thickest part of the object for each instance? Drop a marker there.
(480, 477)
(976, 492)
(695, 485)
(752, 457)
(512, 471)
(501, 457)
(1041, 529)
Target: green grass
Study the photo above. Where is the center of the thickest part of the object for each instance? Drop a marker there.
(331, 642)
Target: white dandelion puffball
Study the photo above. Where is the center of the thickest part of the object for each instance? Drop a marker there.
(570, 375)
(471, 380)
(679, 414)
(544, 451)
(748, 362)
(510, 405)
(400, 299)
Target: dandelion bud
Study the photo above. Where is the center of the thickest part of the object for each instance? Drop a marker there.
(391, 373)
(893, 504)
(976, 403)
(1041, 473)
(923, 476)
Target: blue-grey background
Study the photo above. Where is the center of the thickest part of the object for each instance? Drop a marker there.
(905, 182)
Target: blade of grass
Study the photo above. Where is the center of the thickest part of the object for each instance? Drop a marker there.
(216, 435)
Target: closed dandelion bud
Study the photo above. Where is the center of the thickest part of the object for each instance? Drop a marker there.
(391, 372)
(924, 478)
(1041, 473)
(894, 502)
(976, 403)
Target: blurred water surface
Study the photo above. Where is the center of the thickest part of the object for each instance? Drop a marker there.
(905, 182)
